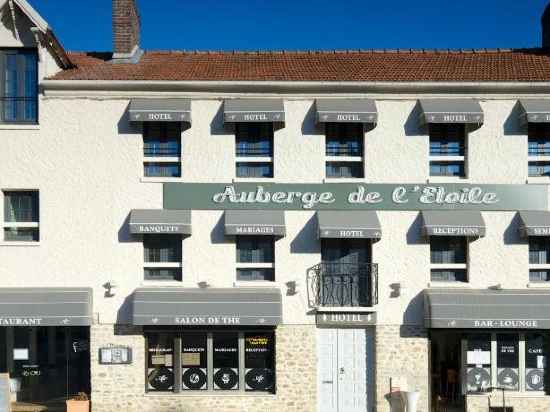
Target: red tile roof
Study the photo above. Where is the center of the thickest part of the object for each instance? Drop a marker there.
(370, 66)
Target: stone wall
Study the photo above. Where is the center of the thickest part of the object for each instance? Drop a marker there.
(121, 387)
(402, 358)
(520, 403)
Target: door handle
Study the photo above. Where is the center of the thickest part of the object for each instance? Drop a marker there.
(342, 371)
(327, 382)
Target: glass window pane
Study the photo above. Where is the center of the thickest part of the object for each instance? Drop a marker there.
(20, 91)
(153, 169)
(254, 139)
(21, 234)
(160, 363)
(447, 140)
(162, 139)
(162, 274)
(539, 275)
(21, 206)
(538, 169)
(478, 363)
(508, 361)
(259, 362)
(194, 362)
(539, 139)
(449, 275)
(344, 139)
(345, 170)
(255, 249)
(447, 169)
(536, 353)
(448, 249)
(254, 169)
(539, 250)
(252, 274)
(162, 248)
(226, 361)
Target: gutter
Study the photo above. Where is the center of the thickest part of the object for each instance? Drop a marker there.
(296, 86)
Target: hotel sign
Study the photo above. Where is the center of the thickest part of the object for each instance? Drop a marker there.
(340, 319)
(349, 196)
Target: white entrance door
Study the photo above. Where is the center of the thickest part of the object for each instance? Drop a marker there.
(342, 370)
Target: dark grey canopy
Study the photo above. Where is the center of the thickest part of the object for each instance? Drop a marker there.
(253, 110)
(534, 111)
(534, 223)
(157, 221)
(45, 307)
(346, 111)
(255, 222)
(465, 111)
(160, 110)
(487, 309)
(363, 224)
(467, 223)
(215, 307)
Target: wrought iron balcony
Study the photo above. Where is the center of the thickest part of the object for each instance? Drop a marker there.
(342, 285)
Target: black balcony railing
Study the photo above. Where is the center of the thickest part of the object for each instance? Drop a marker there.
(342, 285)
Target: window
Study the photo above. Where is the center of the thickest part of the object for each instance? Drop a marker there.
(162, 257)
(478, 363)
(254, 150)
(236, 361)
(162, 149)
(20, 86)
(21, 216)
(255, 258)
(508, 361)
(539, 259)
(344, 150)
(539, 149)
(536, 353)
(448, 258)
(447, 150)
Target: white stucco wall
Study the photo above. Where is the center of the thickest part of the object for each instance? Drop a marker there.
(86, 160)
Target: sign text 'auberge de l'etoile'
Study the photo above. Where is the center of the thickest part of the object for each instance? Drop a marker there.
(348, 196)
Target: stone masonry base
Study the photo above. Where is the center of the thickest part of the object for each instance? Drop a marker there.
(120, 388)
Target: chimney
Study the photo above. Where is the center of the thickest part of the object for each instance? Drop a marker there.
(126, 32)
(546, 27)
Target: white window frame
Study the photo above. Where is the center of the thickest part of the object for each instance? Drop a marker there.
(19, 225)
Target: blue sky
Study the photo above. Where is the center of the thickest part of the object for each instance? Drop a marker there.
(303, 24)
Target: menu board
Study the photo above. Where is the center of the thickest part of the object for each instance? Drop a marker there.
(508, 361)
(259, 361)
(5, 401)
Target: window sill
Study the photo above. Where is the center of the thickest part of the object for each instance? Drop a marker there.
(355, 159)
(19, 244)
(154, 265)
(160, 179)
(24, 225)
(538, 180)
(254, 159)
(344, 180)
(538, 285)
(160, 159)
(457, 285)
(448, 266)
(446, 159)
(511, 394)
(19, 127)
(252, 265)
(196, 394)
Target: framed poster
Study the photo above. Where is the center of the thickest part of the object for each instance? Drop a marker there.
(115, 355)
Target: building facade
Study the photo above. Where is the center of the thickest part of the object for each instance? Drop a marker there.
(272, 231)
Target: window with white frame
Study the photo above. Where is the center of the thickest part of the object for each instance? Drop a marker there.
(448, 150)
(344, 150)
(255, 258)
(539, 149)
(254, 150)
(448, 259)
(520, 359)
(539, 259)
(21, 216)
(162, 257)
(162, 149)
(211, 361)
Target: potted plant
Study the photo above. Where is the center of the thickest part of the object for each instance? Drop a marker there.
(79, 403)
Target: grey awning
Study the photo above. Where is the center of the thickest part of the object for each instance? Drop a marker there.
(255, 222)
(487, 309)
(362, 224)
(45, 307)
(467, 111)
(253, 110)
(534, 223)
(146, 221)
(346, 111)
(214, 307)
(160, 110)
(535, 111)
(453, 223)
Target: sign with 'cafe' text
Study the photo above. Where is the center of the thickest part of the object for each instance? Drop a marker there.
(350, 196)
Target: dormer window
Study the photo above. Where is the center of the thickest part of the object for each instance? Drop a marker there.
(19, 85)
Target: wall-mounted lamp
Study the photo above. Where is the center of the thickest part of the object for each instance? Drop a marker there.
(291, 288)
(203, 284)
(396, 289)
(109, 286)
